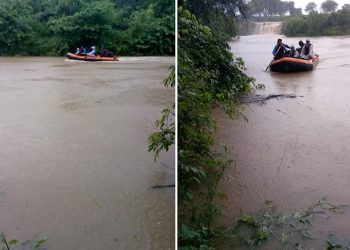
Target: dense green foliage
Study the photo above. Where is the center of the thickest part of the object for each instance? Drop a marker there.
(53, 27)
(315, 24)
(208, 75)
(220, 15)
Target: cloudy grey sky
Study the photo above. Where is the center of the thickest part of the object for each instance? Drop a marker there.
(303, 3)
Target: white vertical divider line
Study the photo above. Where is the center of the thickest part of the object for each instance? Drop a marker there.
(176, 127)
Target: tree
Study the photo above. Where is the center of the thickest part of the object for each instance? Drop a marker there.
(208, 75)
(311, 6)
(315, 24)
(16, 31)
(292, 10)
(329, 6)
(273, 8)
(256, 8)
(346, 7)
(218, 13)
(297, 12)
(90, 26)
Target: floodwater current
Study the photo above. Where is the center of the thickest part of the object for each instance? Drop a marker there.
(292, 152)
(73, 149)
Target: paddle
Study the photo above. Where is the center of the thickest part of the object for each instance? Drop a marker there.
(273, 58)
(268, 66)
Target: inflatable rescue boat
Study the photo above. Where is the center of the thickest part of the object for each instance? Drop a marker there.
(293, 64)
(90, 58)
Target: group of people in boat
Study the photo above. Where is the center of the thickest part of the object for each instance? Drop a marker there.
(304, 51)
(82, 52)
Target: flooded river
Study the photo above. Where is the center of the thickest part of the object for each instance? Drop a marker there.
(293, 152)
(73, 150)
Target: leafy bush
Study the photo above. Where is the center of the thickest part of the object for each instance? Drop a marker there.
(165, 137)
(208, 75)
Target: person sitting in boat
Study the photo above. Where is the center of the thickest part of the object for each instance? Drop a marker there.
(107, 53)
(82, 51)
(280, 49)
(92, 52)
(77, 52)
(293, 52)
(308, 50)
(301, 44)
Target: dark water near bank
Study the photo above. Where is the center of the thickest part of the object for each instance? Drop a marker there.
(293, 152)
(73, 149)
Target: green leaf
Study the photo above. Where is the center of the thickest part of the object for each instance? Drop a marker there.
(13, 242)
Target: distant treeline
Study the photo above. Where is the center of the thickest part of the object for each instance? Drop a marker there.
(318, 24)
(265, 11)
(272, 8)
(226, 18)
(53, 27)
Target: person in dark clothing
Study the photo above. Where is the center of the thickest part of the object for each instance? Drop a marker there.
(308, 50)
(301, 44)
(82, 51)
(280, 49)
(107, 53)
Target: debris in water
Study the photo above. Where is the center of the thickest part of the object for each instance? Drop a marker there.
(281, 111)
(261, 99)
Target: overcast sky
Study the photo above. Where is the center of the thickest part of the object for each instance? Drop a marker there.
(303, 3)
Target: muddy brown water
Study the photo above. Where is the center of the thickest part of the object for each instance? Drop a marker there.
(73, 149)
(293, 152)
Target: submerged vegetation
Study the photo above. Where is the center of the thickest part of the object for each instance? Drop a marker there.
(53, 27)
(35, 244)
(284, 231)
